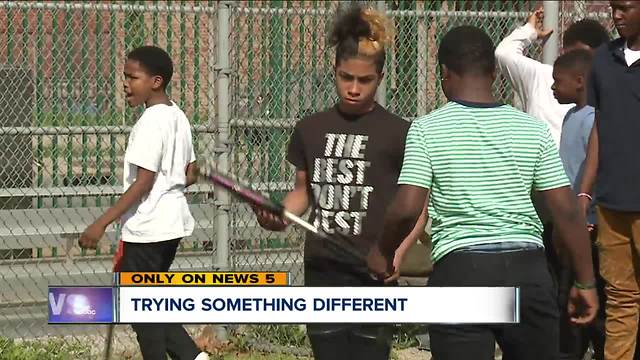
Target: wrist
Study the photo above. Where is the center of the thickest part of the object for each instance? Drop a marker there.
(585, 195)
(584, 285)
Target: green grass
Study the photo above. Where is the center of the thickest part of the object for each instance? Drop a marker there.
(54, 349)
(241, 345)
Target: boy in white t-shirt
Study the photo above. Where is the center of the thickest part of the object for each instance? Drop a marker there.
(153, 211)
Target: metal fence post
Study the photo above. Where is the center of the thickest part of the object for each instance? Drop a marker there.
(222, 68)
(551, 15)
(381, 93)
(223, 200)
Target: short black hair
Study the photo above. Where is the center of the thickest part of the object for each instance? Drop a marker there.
(467, 49)
(155, 61)
(587, 31)
(578, 60)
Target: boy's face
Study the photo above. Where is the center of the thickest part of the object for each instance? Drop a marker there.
(626, 17)
(356, 83)
(566, 86)
(138, 83)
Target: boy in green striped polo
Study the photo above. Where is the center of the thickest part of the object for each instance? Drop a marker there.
(478, 162)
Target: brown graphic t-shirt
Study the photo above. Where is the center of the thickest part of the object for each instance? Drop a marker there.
(352, 165)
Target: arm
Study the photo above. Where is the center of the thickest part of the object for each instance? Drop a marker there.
(407, 243)
(140, 188)
(572, 234)
(401, 216)
(574, 238)
(408, 204)
(590, 167)
(522, 71)
(412, 238)
(192, 174)
(296, 201)
(550, 181)
(406, 208)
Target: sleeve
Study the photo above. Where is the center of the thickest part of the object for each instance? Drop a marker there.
(593, 91)
(192, 154)
(401, 147)
(520, 70)
(549, 173)
(416, 165)
(295, 150)
(145, 148)
(192, 158)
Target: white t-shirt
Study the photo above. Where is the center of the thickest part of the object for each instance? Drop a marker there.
(631, 55)
(161, 142)
(531, 79)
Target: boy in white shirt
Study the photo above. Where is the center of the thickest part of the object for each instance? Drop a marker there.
(532, 79)
(153, 211)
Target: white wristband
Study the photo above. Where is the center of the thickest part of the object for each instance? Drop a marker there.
(586, 195)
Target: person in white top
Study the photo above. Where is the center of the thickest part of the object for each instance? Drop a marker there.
(160, 142)
(159, 164)
(532, 79)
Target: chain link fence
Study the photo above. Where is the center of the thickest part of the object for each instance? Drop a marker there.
(245, 72)
(64, 128)
(571, 11)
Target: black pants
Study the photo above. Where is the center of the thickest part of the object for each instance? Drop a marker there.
(158, 340)
(535, 337)
(574, 340)
(345, 341)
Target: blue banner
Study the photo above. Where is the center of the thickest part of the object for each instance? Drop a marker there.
(81, 305)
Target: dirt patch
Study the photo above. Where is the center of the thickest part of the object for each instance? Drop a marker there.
(412, 354)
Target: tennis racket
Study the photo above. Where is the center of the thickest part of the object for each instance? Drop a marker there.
(244, 192)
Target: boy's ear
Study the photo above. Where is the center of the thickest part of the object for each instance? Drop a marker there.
(157, 82)
(444, 72)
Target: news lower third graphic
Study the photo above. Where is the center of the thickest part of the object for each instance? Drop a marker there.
(270, 298)
(81, 305)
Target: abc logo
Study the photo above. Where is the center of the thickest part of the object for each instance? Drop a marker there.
(74, 304)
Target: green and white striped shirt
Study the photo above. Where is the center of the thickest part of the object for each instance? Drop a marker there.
(481, 162)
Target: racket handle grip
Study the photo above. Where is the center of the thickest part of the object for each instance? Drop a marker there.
(273, 207)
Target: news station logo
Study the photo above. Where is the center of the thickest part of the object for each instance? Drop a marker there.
(81, 305)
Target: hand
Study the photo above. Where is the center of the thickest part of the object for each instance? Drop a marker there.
(379, 264)
(269, 220)
(535, 19)
(583, 305)
(397, 262)
(91, 235)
